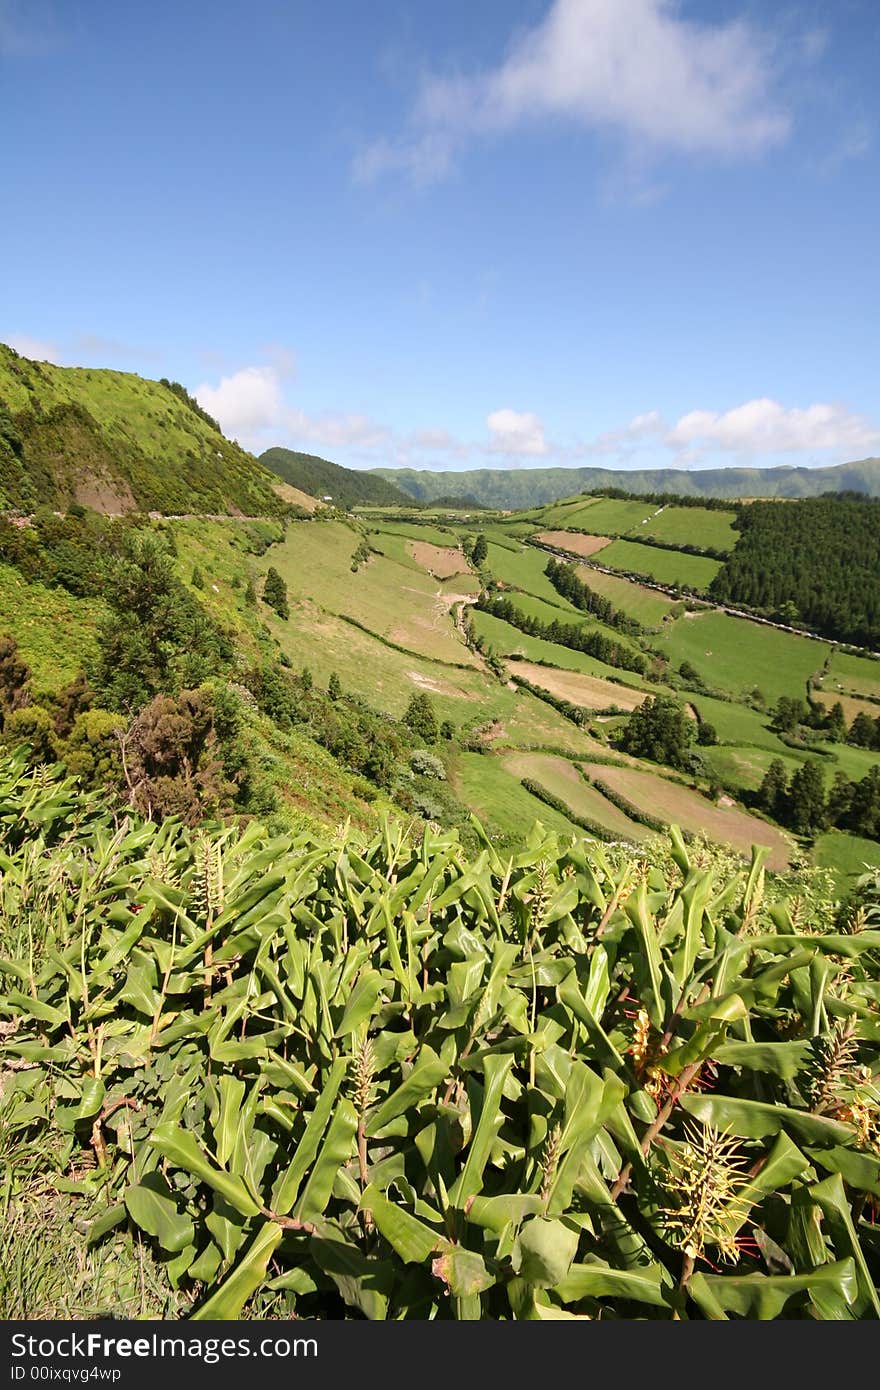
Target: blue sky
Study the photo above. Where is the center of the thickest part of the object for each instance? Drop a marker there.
(485, 234)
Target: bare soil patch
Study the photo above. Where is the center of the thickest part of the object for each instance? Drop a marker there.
(574, 542)
(590, 692)
(442, 561)
(683, 806)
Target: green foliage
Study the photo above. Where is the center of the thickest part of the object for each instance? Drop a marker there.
(346, 487)
(661, 730)
(157, 638)
(275, 593)
(564, 578)
(119, 443)
(382, 1079)
(421, 718)
(479, 551)
(781, 551)
(426, 764)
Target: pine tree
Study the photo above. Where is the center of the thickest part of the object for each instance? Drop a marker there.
(773, 791)
(421, 719)
(275, 593)
(480, 550)
(334, 686)
(806, 795)
(836, 723)
(861, 733)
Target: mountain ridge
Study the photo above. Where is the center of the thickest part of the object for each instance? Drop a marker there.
(516, 488)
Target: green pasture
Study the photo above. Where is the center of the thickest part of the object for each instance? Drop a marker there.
(645, 605)
(848, 856)
(672, 567)
(397, 603)
(738, 656)
(700, 526)
(496, 797)
(857, 675)
(603, 516)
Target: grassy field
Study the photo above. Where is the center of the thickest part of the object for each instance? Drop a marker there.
(563, 780)
(666, 566)
(505, 640)
(587, 691)
(737, 723)
(700, 526)
(857, 675)
(645, 605)
(848, 856)
(602, 516)
(399, 604)
(679, 805)
(736, 655)
(56, 632)
(852, 705)
(494, 794)
(414, 531)
(744, 768)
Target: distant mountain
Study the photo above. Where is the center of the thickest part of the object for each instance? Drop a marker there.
(517, 488)
(117, 442)
(346, 487)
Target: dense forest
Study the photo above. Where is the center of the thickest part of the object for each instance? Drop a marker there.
(816, 562)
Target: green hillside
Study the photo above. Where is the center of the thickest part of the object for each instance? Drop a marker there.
(516, 488)
(116, 442)
(346, 487)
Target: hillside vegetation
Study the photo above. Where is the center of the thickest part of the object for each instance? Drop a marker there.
(345, 487)
(116, 442)
(818, 562)
(334, 1077)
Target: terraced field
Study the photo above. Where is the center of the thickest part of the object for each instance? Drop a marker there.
(672, 567)
(647, 606)
(401, 605)
(563, 780)
(738, 656)
(680, 805)
(586, 691)
(485, 785)
(702, 526)
(574, 542)
(601, 516)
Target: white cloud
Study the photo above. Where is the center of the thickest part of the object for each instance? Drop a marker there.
(765, 426)
(635, 67)
(516, 432)
(247, 404)
(250, 406)
(38, 349)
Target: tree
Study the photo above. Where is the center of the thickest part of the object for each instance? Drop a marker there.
(420, 718)
(198, 579)
(835, 724)
(706, 733)
(447, 729)
(156, 636)
(806, 796)
(773, 791)
(275, 593)
(861, 733)
(661, 730)
(789, 714)
(334, 686)
(480, 550)
(250, 594)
